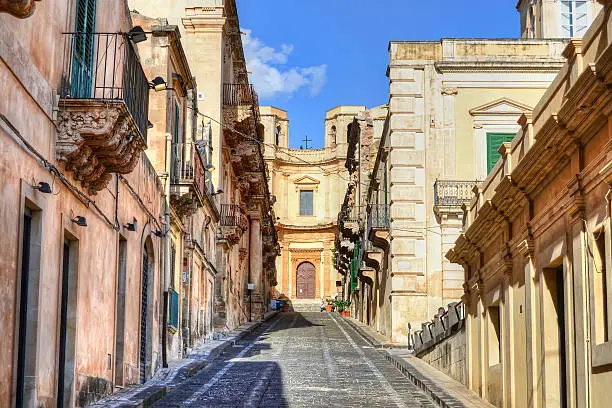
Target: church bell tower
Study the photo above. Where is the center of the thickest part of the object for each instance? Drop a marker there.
(556, 18)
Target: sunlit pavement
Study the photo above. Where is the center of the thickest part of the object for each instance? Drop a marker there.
(299, 360)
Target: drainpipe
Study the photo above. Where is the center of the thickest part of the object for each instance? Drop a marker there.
(166, 252)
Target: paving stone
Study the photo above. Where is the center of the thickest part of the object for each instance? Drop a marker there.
(296, 360)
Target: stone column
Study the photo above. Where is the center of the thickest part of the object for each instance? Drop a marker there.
(532, 332)
(289, 275)
(255, 265)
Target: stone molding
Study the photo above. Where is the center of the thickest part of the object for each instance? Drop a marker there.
(96, 139)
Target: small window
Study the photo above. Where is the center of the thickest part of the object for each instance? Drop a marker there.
(574, 18)
(306, 202)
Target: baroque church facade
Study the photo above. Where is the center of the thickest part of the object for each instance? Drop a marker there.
(309, 186)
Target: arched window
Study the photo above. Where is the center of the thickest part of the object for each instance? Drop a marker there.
(332, 135)
(277, 135)
(348, 132)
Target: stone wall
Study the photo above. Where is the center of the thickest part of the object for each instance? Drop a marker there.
(441, 343)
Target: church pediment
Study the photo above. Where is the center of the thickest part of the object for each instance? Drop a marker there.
(306, 182)
(503, 106)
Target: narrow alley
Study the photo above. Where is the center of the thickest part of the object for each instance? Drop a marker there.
(299, 360)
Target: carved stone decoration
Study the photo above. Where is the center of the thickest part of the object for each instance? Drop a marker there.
(184, 205)
(17, 8)
(96, 139)
(450, 91)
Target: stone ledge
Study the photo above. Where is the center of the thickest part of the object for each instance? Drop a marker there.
(445, 391)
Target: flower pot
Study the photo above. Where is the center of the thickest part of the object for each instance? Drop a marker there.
(328, 308)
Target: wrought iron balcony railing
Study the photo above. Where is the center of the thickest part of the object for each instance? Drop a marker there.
(232, 216)
(189, 170)
(103, 108)
(105, 66)
(453, 193)
(379, 216)
(241, 95)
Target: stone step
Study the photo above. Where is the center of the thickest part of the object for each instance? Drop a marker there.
(306, 305)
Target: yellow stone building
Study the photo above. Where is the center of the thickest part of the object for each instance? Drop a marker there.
(309, 186)
(536, 246)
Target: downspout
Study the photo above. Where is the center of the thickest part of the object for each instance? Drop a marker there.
(249, 270)
(166, 252)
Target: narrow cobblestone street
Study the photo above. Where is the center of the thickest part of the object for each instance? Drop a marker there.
(299, 360)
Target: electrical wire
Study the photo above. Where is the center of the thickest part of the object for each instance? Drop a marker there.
(305, 162)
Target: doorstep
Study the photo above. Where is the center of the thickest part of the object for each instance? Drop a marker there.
(145, 395)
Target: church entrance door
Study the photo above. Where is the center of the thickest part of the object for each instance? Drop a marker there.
(305, 280)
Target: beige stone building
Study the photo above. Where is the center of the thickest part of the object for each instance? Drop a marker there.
(556, 19)
(451, 105)
(536, 246)
(308, 185)
(80, 260)
(228, 118)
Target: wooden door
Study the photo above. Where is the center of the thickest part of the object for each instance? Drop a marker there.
(306, 281)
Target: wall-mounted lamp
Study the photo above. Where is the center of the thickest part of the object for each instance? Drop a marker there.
(43, 187)
(159, 84)
(137, 34)
(80, 221)
(158, 234)
(201, 143)
(210, 167)
(219, 191)
(131, 226)
(149, 124)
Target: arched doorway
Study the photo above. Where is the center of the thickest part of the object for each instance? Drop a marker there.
(305, 281)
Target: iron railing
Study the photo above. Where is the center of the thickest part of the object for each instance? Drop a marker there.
(379, 216)
(105, 66)
(453, 192)
(231, 216)
(242, 95)
(189, 170)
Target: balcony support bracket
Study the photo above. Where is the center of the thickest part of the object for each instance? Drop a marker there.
(96, 139)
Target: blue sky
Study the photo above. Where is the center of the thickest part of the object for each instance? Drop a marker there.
(308, 56)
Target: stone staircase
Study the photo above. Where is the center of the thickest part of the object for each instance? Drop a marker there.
(306, 305)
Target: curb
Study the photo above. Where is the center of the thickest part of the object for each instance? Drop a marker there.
(149, 394)
(374, 342)
(433, 391)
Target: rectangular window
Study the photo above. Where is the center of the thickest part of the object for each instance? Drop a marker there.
(494, 335)
(494, 141)
(306, 202)
(83, 54)
(574, 18)
(600, 287)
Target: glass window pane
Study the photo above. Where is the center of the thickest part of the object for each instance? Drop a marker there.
(306, 202)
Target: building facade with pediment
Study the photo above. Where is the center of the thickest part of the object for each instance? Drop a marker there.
(309, 186)
(452, 104)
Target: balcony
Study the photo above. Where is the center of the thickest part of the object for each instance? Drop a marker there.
(102, 111)
(350, 221)
(187, 181)
(18, 8)
(373, 256)
(232, 223)
(379, 222)
(449, 196)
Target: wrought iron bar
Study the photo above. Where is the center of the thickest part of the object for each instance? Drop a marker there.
(106, 66)
(380, 216)
(231, 216)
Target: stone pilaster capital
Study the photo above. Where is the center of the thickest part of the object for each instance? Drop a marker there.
(450, 91)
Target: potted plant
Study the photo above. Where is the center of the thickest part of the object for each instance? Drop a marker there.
(346, 312)
(328, 305)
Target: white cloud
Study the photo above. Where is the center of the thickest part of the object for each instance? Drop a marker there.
(272, 76)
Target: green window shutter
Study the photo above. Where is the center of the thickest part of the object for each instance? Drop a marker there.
(494, 141)
(83, 50)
